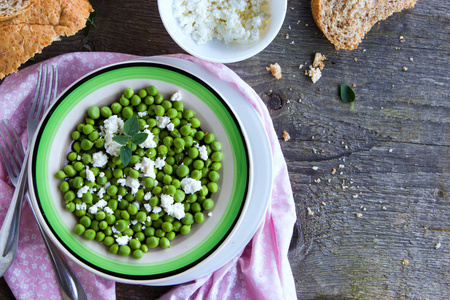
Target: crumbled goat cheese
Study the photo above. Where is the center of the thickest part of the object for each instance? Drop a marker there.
(108, 210)
(148, 207)
(99, 159)
(78, 157)
(123, 240)
(122, 181)
(90, 175)
(235, 21)
(176, 96)
(202, 151)
(134, 222)
(157, 209)
(93, 209)
(175, 210)
(82, 191)
(112, 147)
(81, 206)
(147, 167)
(160, 163)
(149, 142)
(101, 174)
(112, 126)
(191, 185)
(147, 196)
(163, 121)
(101, 203)
(142, 113)
(137, 204)
(133, 184)
(101, 192)
(170, 126)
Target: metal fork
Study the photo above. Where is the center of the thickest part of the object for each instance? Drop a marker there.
(70, 286)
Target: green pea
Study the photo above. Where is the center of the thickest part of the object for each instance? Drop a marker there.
(177, 225)
(106, 112)
(149, 231)
(198, 164)
(208, 204)
(152, 90)
(79, 229)
(64, 186)
(70, 207)
(159, 110)
(217, 156)
(199, 135)
(127, 112)
(94, 112)
(164, 243)
(114, 249)
(124, 250)
(108, 241)
(69, 171)
(121, 225)
(188, 219)
(195, 123)
(100, 236)
(185, 229)
(171, 113)
(135, 100)
(209, 138)
(182, 171)
(116, 107)
(213, 187)
(152, 242)
(61, 174)
(124, 214)
(159, 98)
(213, 176)
(149, 100)
(110, 219)
(133, 173)
(99, 143)
(101, 215)
(76, 135)
(132, 209)
(128, 93)
(167, 226)
(185, 130)
(193, 152)
(86, 144)
(89, 234)
(188, 114)
(135, 244)
(196, 207)
(69, 196)
(137, 254)
(199, 217)
(196, 174)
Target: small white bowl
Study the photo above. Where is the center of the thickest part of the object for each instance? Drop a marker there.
(218, 51)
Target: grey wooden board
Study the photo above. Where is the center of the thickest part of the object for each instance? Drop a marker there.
(392, 146)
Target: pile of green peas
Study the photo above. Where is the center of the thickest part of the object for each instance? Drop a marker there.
(123, 213)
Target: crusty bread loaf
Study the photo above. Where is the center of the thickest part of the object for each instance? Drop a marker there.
(11, 8)
(45, 21)
(345, 22)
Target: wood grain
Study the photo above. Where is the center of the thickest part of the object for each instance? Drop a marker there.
(387, 202)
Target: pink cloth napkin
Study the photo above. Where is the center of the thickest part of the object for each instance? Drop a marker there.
(260, 271)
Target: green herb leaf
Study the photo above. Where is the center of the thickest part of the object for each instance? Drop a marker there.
(125, 155)
(347, 94)
(140, 137)
(90, 23)
(131, 126)
(121, 139)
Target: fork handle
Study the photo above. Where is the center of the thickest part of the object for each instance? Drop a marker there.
(70, 286)
(9, 232)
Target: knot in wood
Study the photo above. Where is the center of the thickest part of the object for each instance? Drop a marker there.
(275, 102)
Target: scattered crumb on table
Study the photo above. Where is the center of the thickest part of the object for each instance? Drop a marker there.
(286, 136)
(275, 69)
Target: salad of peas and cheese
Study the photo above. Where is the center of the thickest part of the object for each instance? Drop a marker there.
(140, 172)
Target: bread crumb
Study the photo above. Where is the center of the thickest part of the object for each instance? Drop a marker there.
(315, 168)
(405, 69)
(318, 61)
(383, 208)
(324, 204)
(353, 85)
(275, 69)
(411, 59)
(287, 36)
(317, 180)
(286, 136)
(437, 246)
(310, 212)
(405, 262)
(355, 59)
(390, 150)
(402, 39)
(314, 73)
(333, 171)
(358, 215)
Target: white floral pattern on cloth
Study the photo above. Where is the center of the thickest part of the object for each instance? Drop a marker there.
(260, 271)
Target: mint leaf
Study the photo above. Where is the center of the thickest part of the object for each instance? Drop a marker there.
(131, 126)
(121, 139)
(125, 155)
(347, 94)
(139, 137)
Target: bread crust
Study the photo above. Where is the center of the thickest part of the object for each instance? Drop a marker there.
(364, 16)
(45, 21)
(16, 10)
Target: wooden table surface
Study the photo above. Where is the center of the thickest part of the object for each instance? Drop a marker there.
(378, 228)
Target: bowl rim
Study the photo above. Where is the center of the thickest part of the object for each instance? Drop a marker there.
(256, 46)
(230, 109)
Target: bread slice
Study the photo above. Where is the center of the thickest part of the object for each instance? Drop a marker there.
(345, 22)
(11, 8)
(45, 21)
